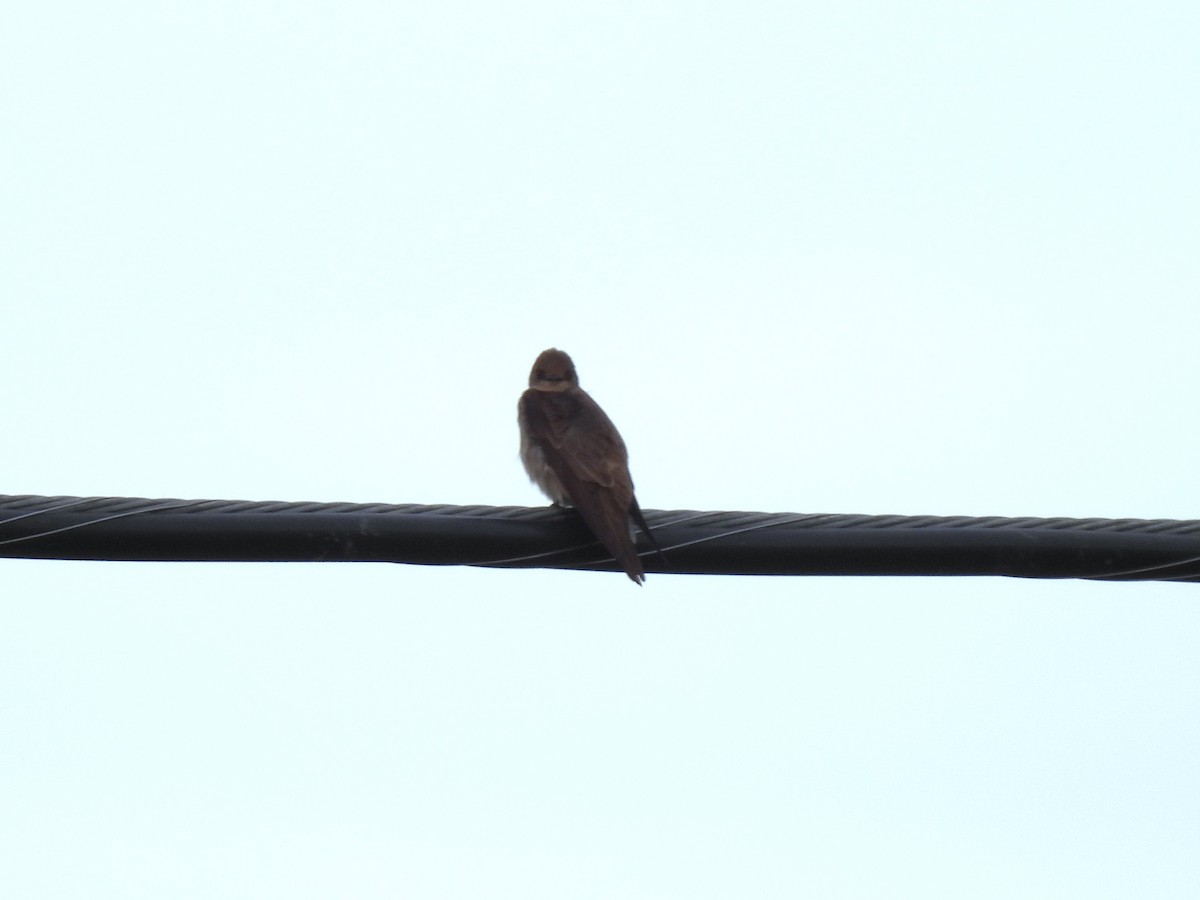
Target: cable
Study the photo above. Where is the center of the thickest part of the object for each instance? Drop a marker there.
(713, 543)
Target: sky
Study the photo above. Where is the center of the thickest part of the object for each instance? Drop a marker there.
(853, 257)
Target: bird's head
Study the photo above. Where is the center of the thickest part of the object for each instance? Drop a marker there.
(553, 371)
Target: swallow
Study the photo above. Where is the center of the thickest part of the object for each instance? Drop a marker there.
(574, 454)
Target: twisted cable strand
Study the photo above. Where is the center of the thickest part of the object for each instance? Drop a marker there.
(712, 542)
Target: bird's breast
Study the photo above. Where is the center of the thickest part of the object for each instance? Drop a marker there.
(540, 473)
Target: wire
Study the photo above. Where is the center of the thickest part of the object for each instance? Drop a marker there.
(712, 543)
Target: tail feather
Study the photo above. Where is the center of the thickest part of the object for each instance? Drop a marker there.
(610, 523)
(636, 512)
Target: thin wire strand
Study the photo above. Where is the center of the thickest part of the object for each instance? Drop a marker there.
(85, 524)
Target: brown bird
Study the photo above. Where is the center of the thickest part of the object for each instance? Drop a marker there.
(572, 451)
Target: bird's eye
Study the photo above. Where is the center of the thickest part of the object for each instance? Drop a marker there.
(539, 374)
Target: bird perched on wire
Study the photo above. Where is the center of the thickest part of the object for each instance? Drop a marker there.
(572, 451)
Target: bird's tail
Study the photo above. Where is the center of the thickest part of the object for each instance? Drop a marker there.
(636, 512)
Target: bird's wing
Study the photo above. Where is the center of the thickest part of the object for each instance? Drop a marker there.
(587, 454)
(580, 441)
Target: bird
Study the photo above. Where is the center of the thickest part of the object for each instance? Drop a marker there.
(575, 455)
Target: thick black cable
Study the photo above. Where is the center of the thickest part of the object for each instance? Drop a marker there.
(725, 543)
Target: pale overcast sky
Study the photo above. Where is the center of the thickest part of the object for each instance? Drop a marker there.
(810, 257)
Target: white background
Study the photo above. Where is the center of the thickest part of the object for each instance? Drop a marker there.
(820, 257)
